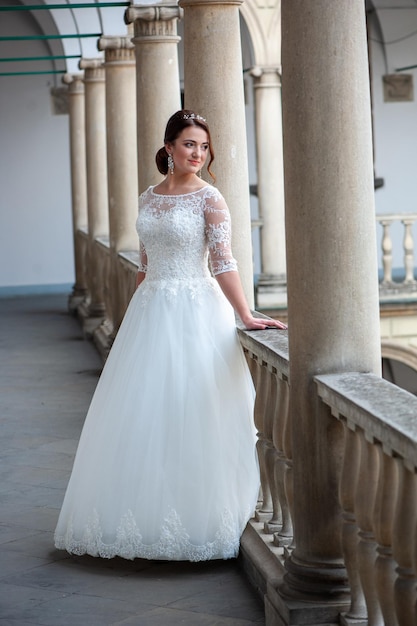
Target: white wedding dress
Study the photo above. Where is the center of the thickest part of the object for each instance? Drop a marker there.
(166, 465)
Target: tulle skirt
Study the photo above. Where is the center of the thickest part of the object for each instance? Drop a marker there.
(166, 465)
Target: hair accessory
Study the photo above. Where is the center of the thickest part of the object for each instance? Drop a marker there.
(193, 116)
(170, 164)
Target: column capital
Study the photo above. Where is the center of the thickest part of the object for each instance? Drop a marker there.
(266, 76)
(75, 83)
(191, 3)
(154, 23)
(94, 69)
(117, 49)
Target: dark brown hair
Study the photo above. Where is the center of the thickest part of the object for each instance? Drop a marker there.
(176, 124)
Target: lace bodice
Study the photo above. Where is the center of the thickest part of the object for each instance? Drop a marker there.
(179, 232)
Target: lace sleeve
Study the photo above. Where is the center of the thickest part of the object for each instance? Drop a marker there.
(218, 233)
(143, 259)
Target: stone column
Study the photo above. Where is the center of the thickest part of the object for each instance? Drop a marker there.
(95, 120)
(213, 79)
(333, 306)
(158, 83)
(78, 182)
(121, 170)
(268, 127)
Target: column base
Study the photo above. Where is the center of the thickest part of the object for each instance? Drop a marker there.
(263, 563)
(103, 338)
(90, 317)
(271, 291)
(75, 298)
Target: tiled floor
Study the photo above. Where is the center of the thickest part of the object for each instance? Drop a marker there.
(47, 375)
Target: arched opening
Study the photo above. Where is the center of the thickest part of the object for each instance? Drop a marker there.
(399, 365)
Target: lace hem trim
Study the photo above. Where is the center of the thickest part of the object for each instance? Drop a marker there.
(173, 544)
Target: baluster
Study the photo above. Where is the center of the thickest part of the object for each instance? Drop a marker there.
(385, 565)
(285, 534)
(81, 245)
(408, 251)
(403, 546)
(364, 509)
(275, 523)
(261, 403)
(287, 540)
(252, 361)
(347, 491)
(386, 252)
(415, 568)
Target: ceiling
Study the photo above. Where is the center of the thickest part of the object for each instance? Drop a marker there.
(52, 36)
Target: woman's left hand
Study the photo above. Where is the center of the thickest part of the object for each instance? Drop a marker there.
(258, 323)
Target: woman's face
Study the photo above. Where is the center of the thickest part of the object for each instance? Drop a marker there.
(189, 150)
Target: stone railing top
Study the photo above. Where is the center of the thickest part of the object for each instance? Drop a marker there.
(391, 217)
(188, 3)
(111, 42)
(131, 257)
(153, 12)
(386, 413)
(270, 346)
(103, 241)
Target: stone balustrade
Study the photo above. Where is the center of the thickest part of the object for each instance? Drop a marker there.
(406, 283)
(378, 494)
(378, 483)
(117, 283)
(267, 356)
(377, 490)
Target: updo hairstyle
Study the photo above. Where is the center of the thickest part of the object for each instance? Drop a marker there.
(176, 124)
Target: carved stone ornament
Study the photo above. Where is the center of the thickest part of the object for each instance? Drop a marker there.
(154, 21)
(398, 88)
(75, 83)
(265, 77)
(117, 49)
(59, 100)
(93, 69)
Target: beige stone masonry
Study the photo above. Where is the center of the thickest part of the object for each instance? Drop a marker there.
(98, 221)
(268, 125)
(333, 306)
(78, 181)
(157, 84)
(120, 71)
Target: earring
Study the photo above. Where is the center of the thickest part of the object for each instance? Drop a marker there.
(199, 173)
(170, 164)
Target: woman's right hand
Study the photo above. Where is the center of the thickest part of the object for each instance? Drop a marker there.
(258, 323)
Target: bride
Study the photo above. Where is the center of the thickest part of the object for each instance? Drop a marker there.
(166, 465)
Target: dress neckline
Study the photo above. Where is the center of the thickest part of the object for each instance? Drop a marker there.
(176, 195)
